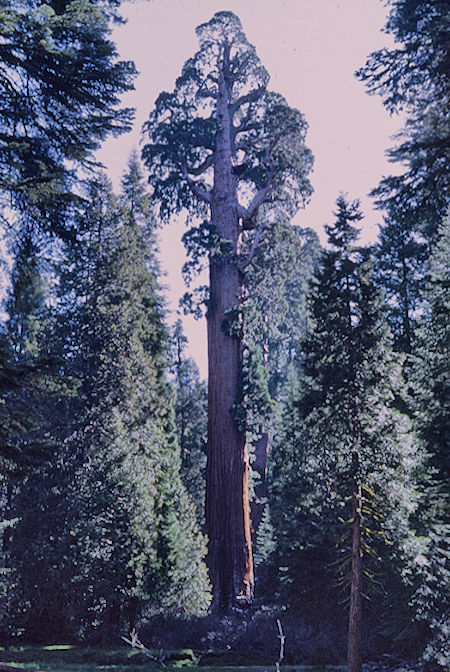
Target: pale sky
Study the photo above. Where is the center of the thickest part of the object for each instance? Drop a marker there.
(311, 49)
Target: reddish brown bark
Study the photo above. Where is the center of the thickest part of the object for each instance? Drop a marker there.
(354, 650)
(227, 506)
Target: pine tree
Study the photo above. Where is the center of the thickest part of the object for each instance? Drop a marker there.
(60, 87)
(413, 77)
(118, 532)
(431, 378)
(30, 387)
(347, 445)
(274, 323)
(28, 381)
(191, 419)
(299, 552)
(276, 289)
(433, 357)
(401, 269)
(26, 302)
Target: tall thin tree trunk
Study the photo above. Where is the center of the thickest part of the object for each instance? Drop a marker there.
(230, 557)
(354, 650)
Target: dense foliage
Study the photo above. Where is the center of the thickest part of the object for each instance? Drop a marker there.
(116, 531)
(191, 418)
(342, 427)
(413, 78)
(59, 91)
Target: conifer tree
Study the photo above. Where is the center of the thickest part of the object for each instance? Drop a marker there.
(349, 448)
(26, 301)
(276, 290)
(29, 379)
(401, 269)
(431, 378)
(226, 148)
(30, 386)
(118, 533)
(274, 324)
(433, 357)
(60, 87)
(191, 419)
(298, 552)
(413, 77)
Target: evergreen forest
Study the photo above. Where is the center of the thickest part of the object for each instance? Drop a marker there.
(293, 507)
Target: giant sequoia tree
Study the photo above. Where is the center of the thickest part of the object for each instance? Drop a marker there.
(227, 149)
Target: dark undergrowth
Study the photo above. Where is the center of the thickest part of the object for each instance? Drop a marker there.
(247, 639)
(71, 658)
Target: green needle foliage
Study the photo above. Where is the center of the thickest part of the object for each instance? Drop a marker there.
(431, 385)
(433, 357)
(30, 388)
(342, 403)
(274, 318)
(116, 533)
(413, 77)
(191, 417)
(277, 286)
(60, 90)
(30, 381)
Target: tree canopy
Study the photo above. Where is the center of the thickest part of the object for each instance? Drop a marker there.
(269, 159)
(60, 92)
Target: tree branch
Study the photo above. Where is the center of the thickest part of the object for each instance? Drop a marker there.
(244, 127)
(247, 214)
(242, 212)
(242, 266)
(135, 643)
(202, 194)
(198, 170)
(250, 97)
(244, 146)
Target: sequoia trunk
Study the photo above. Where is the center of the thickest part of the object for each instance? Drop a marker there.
(227, 505)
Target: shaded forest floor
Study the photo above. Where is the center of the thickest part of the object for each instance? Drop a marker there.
(66, 658)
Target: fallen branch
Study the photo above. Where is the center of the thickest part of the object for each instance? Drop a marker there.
(135, 643)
